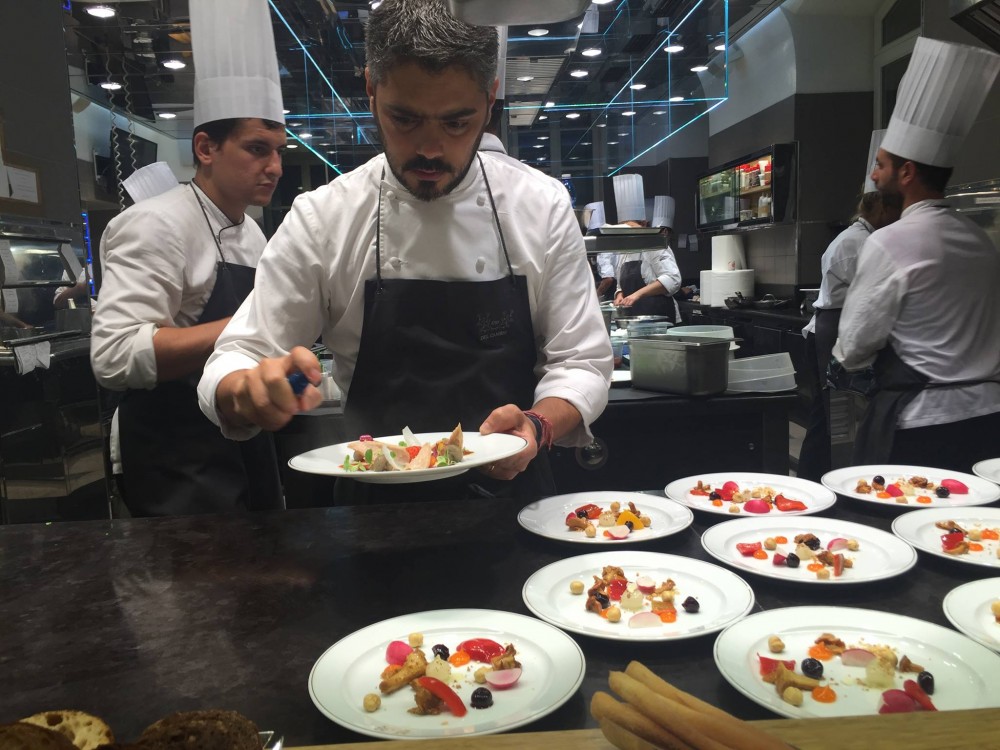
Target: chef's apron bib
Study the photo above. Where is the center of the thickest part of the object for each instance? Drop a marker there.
(630, 281)
(434, 354)
(175, 460)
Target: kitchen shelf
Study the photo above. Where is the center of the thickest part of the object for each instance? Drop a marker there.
(716, 195)
(755, 190)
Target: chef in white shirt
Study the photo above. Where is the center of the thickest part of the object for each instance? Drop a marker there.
(178, 265)
(923, 307)
(450, 287)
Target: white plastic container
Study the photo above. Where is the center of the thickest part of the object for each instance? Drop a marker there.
(765, 374)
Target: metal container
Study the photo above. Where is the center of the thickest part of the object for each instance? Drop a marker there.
(688, 365)
(626, 322)
(608, 311)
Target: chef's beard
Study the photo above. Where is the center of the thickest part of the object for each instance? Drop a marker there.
(890, 192)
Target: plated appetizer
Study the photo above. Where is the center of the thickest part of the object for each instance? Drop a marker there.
(409, 454)
(916, 488)
(748, 499)
(641, 602)
(613, 521)
(805, 550)
(976, 540)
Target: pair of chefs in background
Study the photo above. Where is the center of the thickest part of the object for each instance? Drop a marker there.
(838, 266)
(446, 283)
(644, 282)
(923, 308)
(178, 265)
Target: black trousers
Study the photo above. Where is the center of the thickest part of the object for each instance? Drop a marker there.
(953, 445)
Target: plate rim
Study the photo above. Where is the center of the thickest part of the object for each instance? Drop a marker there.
(418, 475)
(577, 681)
(907, 469)
(944, 511)
(976, 468)
(628, 494)
(639, 638)
(859, 613)
(831, 496)
(747, 521)
(974, 635)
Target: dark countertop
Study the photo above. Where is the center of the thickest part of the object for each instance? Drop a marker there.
(785, 315)
(133, 619)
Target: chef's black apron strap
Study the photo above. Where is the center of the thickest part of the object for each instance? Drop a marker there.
(630, 280)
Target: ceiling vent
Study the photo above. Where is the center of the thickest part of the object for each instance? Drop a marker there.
(980, 18)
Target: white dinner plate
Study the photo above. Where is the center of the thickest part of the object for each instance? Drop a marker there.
(845, 481)
(917, 527)
(879, 554)
(723, 597)
(548, 517)
(963, 669)
(968, 608)
(486, 449)
(988, 469)
(816, 497)
(350, 669)
(621, 376)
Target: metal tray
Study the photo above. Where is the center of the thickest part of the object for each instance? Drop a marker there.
(687, 365)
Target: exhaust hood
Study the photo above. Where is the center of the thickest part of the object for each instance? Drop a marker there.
(980, 18)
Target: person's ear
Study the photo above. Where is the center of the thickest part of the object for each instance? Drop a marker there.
(204, 148)
(370, 89)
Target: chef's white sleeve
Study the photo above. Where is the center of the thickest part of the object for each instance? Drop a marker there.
(606, 265)
(284, 310)
(576, 350)
(141, 290)
(664, 267)
(873, 302)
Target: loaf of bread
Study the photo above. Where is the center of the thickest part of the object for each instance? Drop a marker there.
(21, 736)
(204, 730)
(85, 731)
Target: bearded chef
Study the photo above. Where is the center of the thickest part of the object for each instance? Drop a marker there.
(923, 306)
(178, 265)
(646, 280)
(450, 287)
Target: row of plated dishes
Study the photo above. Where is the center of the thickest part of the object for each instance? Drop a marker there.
(663, 597)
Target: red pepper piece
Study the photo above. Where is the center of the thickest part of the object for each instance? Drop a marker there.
(439, 690)
(784, 504)
(917, 693)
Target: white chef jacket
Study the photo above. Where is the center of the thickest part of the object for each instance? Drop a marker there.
(927, 286)
(839, 264)
(310, 281)
(607, 265)
(159, 266)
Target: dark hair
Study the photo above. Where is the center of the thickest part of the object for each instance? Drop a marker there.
(424, 32)
(874, 206)
(933, 178)
(496, 118)
(219, 130)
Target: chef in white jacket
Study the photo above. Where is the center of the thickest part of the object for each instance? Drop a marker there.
(178, 265)
(923, 307)
(450, 287)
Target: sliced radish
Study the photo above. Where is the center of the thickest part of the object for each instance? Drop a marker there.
(837, 544)
(645, 584)
(618, 532)
(397, 651)
(501, 679)
(856, 657)
(955, 487)
(645, 620)
(756, 506)
(897, 702)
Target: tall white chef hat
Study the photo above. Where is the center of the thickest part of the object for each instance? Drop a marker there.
(502, 61)
(236, 68)
(663, 211)
(629, 197)
(939, 98)
(873, 146)
(150, 181)
(596, 215)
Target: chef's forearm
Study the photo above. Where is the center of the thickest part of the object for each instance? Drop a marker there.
(561, 413)
(182, 351)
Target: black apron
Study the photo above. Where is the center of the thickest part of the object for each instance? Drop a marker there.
(175, 460)
(630, 281)
(434, 354)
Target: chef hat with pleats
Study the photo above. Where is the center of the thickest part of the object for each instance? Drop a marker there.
(629, 197)
(236, 68)
(941, 93)
(663, 211)
(502, 61)
(150, 181)
(596, 215)
(873, 146)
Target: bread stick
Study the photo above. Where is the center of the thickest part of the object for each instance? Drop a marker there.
(622, 738)
(697, 729)
(605, 707)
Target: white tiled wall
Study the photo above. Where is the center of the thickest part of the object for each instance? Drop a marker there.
(771, 253)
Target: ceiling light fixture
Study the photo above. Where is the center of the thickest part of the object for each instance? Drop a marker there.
(285, 111)
(637, 86)
(292, 145)
(572, 115)
(550, 104)
(612, 143)
(101, 11)
(629, 113)
(111, 85)
(585, 143)
(591, 52)
(305, 135)
(539, 145)
(537, 32)
(174, 64)
(672, 48)
(699, 68)
(543, 137)
(601, 2)
(720, 48)
(543, 117)
(525, 79)
(660, 112)
(602, 124)
(578, 73)
(677, 98)
(167, 115)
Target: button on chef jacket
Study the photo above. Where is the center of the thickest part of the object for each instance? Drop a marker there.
(310, 280)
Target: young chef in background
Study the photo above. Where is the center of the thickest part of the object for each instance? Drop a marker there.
(838, 264)
(450, 287)
(924, 305)
(177, 266)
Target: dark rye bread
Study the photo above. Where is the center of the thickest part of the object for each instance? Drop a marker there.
(204, 730)
(18, 736)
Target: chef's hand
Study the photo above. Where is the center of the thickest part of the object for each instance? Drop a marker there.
(631, 299)
(510, 419)
(263, 397)
(620, 300)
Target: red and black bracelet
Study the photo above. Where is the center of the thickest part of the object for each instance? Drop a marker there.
(543, 428)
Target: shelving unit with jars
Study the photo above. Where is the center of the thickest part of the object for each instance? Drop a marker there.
(758, 189)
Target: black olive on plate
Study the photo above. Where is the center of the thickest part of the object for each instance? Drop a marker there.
(926, 681)
(481, 698)
(441, 650)
(792, 561)
(942, 492)
(812, 544)
(630, 525)
(691, 605)
(878, 479)
(812, 668)
(713, 495)
(581, 514)
(604, 601)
